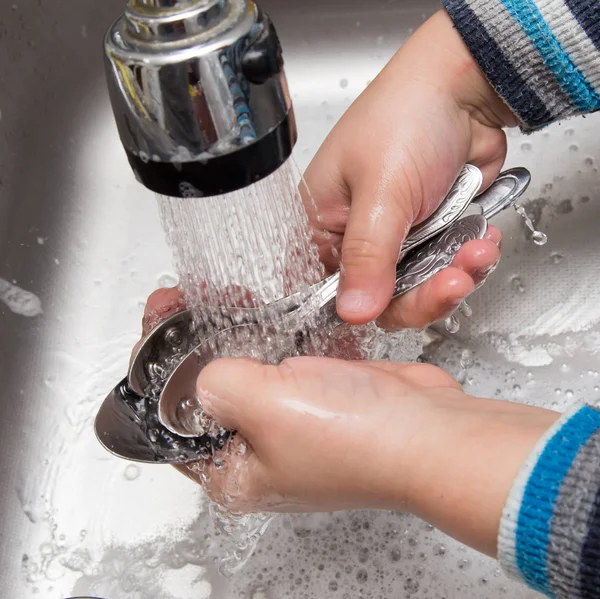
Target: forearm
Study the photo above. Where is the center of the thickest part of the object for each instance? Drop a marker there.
(470, 457)
(516, 482)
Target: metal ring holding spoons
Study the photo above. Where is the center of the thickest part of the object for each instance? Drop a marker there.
(139, 426)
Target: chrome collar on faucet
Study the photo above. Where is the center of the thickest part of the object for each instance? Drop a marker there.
(199, 94)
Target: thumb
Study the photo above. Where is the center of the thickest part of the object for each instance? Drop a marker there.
(226, 389)
(377, 226)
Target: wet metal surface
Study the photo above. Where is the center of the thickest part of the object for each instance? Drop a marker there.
(78, 232)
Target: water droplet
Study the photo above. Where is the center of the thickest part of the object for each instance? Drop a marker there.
(517, 284)
(466, 359)
(439, 550)
(558, 391)
(395, 554)
(452, 324)
(569, 132)
(132, 472)
(343, 83)
(465, 309)
(464, 564)
(539, 238)
(167, 280)
(589, 161)
(556, 257)
(574, 147)
(526, 146)
(569, 394)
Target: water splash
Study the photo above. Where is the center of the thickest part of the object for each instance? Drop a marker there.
(467, 361)
(452, 323)
(465, 309)
(538, 237)
(247, 249)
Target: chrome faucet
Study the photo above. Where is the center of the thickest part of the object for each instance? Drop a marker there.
(199, 94)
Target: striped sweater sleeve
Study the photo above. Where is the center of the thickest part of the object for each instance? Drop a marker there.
(550, 529)
(541, 56)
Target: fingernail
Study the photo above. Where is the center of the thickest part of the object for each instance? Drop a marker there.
(482, 273)
(355, 302)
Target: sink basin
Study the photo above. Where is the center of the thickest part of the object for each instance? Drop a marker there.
(80, 249)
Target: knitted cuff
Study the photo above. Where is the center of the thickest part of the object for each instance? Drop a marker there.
(541, 56)
(550, 529)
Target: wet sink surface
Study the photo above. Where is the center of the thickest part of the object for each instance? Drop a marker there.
(77, 231)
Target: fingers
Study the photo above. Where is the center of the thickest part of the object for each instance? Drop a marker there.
(161, 304)
(494, 234)
(477, 259)
(438, 297)
(227, 388)
(374, 234)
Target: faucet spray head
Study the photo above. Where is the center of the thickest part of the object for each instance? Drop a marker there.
(199, 94)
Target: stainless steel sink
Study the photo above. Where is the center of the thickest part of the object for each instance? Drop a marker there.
(81, 234)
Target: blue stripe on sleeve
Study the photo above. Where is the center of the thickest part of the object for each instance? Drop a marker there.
(541, 492)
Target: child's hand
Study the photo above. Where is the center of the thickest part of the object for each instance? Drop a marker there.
(318, 434)
(321, 434)
(324, 434)
(389, 162)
